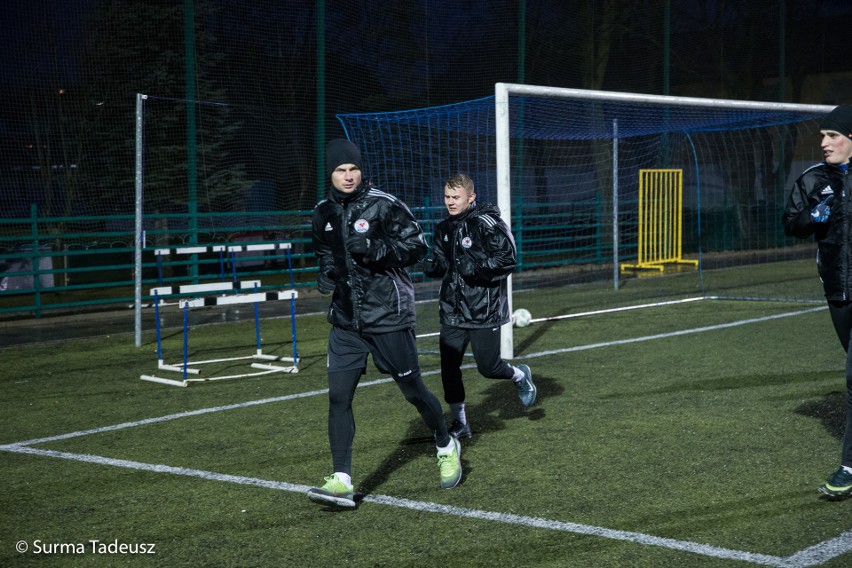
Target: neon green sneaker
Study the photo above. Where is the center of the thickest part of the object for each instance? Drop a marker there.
(838, 486)
(334, 492)
(449, 463)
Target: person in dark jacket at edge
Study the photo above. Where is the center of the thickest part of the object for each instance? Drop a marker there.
(820, 205)
(364, 239)
(473, 252)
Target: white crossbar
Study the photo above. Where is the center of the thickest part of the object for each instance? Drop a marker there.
(162, 291)
(178, 368)
(223, 248)
(210, 287)
(155, 379)
(274, 358)
(238, 299)
(275, 368)
(190, 250)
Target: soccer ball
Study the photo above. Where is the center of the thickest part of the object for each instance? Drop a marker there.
(521, 317)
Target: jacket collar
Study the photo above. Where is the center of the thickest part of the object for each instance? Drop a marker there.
(464, 214)
(338, 196)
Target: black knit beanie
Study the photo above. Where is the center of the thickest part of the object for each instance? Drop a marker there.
(341, 151)
(840, 120)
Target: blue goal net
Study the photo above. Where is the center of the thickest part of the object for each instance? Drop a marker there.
(575, 164)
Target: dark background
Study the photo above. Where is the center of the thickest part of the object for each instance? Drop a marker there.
(279, 72)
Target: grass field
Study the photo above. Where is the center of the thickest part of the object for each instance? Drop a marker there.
(692, 434)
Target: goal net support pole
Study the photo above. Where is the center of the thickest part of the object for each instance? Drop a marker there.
(504, 200)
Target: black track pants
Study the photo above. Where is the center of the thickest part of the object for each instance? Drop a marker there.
(841, 317)
(394, 353)
(485, 344)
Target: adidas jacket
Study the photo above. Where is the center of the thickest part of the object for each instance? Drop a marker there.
(375, 293)
(834, 238)
(479, 300)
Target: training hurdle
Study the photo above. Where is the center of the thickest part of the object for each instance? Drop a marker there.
(190, 296)
(660, 221)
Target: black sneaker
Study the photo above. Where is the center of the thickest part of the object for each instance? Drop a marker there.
(838, 486)
(459, 430)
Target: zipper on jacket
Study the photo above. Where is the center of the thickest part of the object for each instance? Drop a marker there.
(844, 236)
(459, 279)
(354, 296)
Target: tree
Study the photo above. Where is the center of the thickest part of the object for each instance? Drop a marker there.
(138, 46)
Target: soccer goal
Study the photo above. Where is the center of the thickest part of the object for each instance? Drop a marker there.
(564, 167)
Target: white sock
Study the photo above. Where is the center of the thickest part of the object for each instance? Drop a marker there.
(457, 410)
(343, 477)
(446, 448)
(519, 375)
(847, 469)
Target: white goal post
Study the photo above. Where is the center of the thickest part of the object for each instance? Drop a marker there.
(503, 92)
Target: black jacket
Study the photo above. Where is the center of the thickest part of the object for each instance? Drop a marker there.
(834, 237)
(372, 293)
(474, 253)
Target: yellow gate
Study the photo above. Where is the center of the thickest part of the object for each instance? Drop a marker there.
(660, 220)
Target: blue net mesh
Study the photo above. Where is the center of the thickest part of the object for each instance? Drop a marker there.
(738, 164)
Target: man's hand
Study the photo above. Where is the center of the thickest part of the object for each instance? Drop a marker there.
(358, 245)
(432, 267)
(325, 284)
(822, 211)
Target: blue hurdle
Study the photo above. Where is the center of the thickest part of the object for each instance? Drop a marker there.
(221, 293)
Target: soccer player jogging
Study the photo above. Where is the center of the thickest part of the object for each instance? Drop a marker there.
(473, 252)
(820, 204)
(364, 240)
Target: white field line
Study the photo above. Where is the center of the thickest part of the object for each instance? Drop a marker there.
(812, 556)
(186, 414)
(822, 552)
(598, 312)
(673, 333)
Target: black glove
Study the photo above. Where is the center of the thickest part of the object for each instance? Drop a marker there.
(325, 284)
(466, 267)
(432, 267)
(358, 245)
(821, 212)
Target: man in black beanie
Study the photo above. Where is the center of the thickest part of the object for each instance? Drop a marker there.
(819, 205)
(364, 240)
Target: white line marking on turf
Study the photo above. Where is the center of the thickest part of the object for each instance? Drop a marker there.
(186, 414)
(601, 312)
(239, 405)
(621, 309)
(672, 333)
(810, 557)
(823, 552)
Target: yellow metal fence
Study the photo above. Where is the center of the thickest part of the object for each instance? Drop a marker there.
(660, 220)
